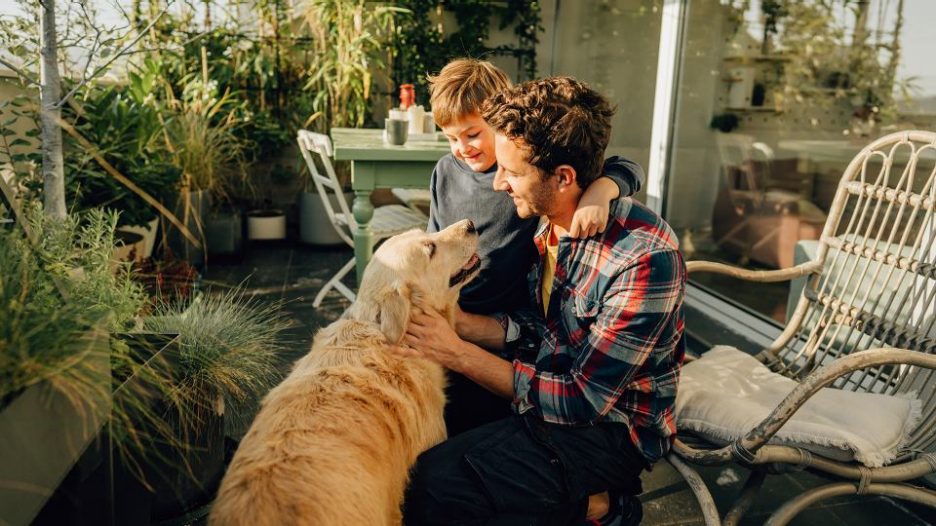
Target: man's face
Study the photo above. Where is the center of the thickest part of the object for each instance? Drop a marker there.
(532, 192)
(472, 141)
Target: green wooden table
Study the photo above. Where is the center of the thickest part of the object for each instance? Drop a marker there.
(375, 164)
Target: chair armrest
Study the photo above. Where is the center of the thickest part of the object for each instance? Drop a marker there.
(746, 448)
(761, 276)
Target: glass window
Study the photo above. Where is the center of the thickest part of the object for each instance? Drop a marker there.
(775, 98)
(613, 45)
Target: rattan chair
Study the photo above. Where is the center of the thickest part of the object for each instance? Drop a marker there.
(388, 220)
(864, 322)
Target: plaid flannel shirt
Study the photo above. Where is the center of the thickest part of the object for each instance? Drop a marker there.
(611, 346)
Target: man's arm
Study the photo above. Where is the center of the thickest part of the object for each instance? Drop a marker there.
(433, 338)
(635, 314)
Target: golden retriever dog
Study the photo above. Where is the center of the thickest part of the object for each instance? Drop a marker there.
(334, 442)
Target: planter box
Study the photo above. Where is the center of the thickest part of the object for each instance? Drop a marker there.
(224, 233)
(172, 489)
(42, 435)
(105, 488)
(315, 227)
(180, 246)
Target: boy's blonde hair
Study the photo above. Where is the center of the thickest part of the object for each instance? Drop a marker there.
(462, 86)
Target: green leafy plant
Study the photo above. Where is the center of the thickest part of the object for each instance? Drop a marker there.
(349, 38)
(422, 46)
(228, 349)
(54, 293)
(202, 139)
(128, 134)
(828, 63)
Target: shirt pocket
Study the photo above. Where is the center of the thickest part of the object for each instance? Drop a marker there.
(579, 312)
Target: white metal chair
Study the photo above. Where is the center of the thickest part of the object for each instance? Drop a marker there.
(865, 322)
(388, 220)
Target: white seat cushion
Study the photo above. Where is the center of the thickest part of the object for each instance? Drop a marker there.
(389, 220)
(726, 393)
(412, 196)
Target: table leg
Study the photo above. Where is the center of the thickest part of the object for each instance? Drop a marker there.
(363, 212)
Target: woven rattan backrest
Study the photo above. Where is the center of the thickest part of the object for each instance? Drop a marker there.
(878, 280)
(878, 283)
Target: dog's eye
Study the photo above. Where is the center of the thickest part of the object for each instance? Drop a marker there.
(430, 248)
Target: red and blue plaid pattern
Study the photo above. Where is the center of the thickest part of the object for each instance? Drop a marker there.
(611, 346)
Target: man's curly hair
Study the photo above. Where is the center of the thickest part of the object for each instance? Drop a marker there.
(561, 120)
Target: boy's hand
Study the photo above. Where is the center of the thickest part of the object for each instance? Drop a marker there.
(591, 215)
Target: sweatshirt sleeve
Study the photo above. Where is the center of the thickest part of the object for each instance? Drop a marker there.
(627, 174)
(433, 225)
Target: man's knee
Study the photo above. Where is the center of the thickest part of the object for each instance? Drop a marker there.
(419, 504)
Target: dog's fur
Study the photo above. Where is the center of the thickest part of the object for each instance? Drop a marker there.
(334, 442)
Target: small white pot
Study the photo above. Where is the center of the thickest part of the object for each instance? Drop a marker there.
(266, 224)
(149, 236)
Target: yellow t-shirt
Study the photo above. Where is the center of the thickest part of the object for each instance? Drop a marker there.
(549, 266)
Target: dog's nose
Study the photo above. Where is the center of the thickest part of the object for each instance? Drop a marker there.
(470, 227)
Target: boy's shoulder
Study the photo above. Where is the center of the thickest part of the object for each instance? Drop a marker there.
(447, 163)
(448, 168)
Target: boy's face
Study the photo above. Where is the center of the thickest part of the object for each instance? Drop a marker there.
(472, 141)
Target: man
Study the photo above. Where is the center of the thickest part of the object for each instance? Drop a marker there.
(591, 370)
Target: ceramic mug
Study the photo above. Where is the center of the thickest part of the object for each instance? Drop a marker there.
(397, 131)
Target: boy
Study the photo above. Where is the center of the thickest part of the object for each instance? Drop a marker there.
(462, 187)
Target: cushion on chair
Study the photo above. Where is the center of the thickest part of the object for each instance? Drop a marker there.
(389, 220)
(726, 393)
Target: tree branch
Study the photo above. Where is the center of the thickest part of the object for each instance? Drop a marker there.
(19, 73)
(117, 55)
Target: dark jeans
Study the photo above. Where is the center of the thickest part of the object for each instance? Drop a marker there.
(520, 470)
(469, 405)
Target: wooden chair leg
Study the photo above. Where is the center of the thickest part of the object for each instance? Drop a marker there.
(794, 506)
(751, 488)
(697, 485)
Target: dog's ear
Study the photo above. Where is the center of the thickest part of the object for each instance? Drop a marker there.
(390, 308)
(394, 311)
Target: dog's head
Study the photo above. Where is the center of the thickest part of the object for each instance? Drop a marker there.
(416, 269)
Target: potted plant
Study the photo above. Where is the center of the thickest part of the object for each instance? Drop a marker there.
(201, 133)
(268, 222)
(60, 296)
(127, 134)
(224, 360)
(161, 386)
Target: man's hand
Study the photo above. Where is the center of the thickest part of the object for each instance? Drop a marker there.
(431, 335)
(591, 215)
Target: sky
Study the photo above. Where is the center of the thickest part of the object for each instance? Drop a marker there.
(917, 42)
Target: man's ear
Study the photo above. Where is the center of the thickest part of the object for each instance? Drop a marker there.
(566, 175)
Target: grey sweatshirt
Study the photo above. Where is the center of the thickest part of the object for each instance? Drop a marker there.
(506, 241)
